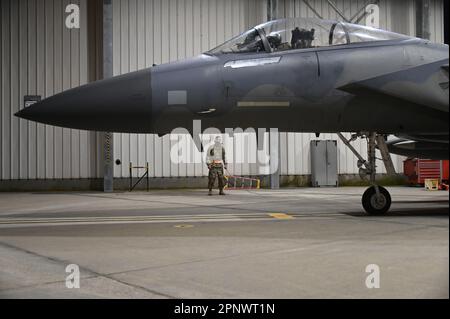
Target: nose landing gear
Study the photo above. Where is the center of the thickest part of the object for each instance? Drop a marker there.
(376, 199)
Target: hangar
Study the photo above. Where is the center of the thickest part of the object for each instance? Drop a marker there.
(70, 229)
(51, 46)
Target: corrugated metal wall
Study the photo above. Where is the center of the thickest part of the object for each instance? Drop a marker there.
(397, 16)
(39, 55)
(156, 31)
(437, 29)
(160, 31)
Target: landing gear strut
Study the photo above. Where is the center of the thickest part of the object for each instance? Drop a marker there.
(376, 199)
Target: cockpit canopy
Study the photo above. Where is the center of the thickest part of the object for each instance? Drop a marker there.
(302, 33)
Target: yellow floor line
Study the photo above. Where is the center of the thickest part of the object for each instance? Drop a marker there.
(183, 226)
(281, 216)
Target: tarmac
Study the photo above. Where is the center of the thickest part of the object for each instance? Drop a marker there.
(287, 243)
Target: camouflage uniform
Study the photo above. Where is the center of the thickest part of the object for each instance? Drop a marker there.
(216, 163)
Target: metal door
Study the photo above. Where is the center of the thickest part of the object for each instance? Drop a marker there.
(324, 163)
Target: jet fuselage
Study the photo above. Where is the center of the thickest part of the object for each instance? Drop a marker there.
(308, 91)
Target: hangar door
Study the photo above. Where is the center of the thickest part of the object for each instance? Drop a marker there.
(324, 163)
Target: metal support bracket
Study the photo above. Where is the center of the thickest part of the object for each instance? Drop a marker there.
(361, 160)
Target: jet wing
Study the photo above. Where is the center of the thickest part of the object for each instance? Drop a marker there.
(419, 148)
(360, 90)
(426, 85)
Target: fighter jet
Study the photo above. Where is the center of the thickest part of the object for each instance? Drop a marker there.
(297, 75)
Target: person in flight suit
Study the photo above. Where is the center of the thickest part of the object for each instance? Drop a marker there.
(216, 163)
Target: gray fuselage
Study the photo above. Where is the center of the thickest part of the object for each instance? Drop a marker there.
(397, 90)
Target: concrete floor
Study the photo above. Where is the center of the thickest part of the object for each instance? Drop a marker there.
(290, 243)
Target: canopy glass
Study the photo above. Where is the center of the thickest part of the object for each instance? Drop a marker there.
(302, 33)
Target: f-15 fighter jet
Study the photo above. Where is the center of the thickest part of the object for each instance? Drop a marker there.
(297, 75)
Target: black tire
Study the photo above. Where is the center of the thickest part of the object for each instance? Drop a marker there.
(374, 206)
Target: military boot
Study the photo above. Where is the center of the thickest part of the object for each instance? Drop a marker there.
(210, 192)
(221, 192)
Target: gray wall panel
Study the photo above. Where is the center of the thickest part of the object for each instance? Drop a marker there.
(177, 29)
(39, 55)
(392, 17)
(15, 86)
(437, 20)
(6, 92)
(173, 30)
(40, 86)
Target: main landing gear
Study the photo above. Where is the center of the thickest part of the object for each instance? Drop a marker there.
(376, 199)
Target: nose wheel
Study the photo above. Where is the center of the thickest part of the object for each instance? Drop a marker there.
(376, 202)
(376, 199)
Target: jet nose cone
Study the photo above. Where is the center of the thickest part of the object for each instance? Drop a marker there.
(26, 114)
(119, 104)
